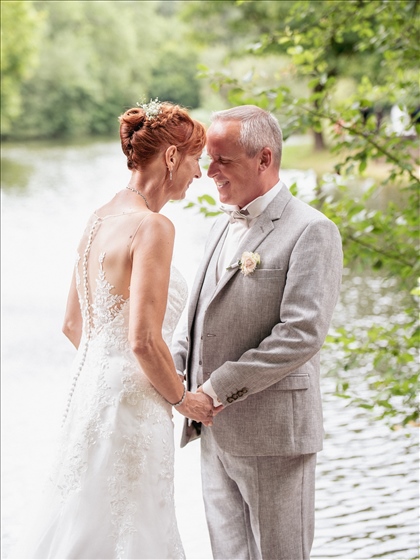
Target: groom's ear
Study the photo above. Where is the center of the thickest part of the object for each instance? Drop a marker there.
(266, 157)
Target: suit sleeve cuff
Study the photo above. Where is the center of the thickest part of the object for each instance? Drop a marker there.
(208, 389)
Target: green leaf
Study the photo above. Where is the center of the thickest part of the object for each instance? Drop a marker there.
(207, 198)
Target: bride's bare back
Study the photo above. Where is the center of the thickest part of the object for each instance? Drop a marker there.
(106, 247)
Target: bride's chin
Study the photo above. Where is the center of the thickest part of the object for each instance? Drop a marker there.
(177, 197)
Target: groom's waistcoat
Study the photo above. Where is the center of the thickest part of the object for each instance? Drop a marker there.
(207, 290)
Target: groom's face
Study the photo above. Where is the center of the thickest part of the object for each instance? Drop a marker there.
(236, 175)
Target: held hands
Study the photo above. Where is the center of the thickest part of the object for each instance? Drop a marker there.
(199, 407)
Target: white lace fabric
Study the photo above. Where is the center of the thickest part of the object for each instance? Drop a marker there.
(111, 492)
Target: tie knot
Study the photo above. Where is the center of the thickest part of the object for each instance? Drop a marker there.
(241, 216)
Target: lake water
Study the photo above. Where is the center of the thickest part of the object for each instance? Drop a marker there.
(367, 477)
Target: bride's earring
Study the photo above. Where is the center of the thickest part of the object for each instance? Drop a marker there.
(170, 175)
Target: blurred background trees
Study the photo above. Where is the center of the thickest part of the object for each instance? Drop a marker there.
(343, 74)
(20, 25)
(76, 65)
(89, 61)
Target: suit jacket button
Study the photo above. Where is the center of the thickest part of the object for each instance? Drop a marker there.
(240, 393)
(229, 399)
(235, 396)
(245, 390)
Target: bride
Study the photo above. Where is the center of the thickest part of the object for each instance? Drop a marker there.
(111, 492)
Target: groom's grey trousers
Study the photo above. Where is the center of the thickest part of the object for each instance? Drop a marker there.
(271, 517)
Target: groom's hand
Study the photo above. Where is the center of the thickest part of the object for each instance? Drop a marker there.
(216, 409)
(199, 407)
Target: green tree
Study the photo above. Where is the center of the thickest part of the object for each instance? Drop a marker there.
(232, 23)
(20, 25)
(90, 67)
(315, 35)
(95, 60)
(174, 76)
(384, 239)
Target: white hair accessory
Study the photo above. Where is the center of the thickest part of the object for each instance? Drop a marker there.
(152, 109)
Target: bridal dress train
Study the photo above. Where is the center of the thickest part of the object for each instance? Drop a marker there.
(111, 494)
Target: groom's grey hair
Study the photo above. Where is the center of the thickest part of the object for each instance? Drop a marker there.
(259, 129)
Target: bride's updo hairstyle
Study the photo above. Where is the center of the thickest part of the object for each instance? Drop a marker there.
(148, 129)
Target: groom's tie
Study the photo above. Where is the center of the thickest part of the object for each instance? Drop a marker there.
(238, 216)
(239, 223)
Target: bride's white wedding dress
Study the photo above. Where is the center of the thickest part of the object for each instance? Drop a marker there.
(111, 493)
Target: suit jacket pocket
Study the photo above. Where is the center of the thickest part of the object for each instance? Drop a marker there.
(261, 273)
(292, 381)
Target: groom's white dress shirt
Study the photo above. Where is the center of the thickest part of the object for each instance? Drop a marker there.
(237, 231)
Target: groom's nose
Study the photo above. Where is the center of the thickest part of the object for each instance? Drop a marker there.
(212, 170)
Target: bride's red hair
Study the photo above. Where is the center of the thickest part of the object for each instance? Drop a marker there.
(143, 137)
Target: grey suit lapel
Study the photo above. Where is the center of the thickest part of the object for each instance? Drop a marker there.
(259, 231)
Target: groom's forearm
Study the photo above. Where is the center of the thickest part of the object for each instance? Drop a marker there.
(259, 368)
(207, 388)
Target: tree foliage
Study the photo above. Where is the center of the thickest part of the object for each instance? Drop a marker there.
(375, 43)
(174, 76)
(95, 60)
(19, 45)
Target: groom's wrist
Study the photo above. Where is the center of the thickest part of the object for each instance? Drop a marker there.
(208, 389)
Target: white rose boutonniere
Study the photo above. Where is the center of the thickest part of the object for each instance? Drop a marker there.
(249, 262)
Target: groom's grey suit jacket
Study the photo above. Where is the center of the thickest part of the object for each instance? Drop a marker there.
(259, 336)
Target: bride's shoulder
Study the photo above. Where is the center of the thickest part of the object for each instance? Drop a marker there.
(158, 223)
(155, 232)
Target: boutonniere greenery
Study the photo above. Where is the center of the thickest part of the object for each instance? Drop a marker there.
(249, 262)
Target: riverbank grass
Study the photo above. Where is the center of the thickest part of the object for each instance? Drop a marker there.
(303, 156)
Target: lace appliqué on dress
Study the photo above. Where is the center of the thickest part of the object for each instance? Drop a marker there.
(106, 306)
(129, 465)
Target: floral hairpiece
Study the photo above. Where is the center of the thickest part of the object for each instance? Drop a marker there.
(152, 109)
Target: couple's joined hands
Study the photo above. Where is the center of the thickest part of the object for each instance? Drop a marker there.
(199, 407)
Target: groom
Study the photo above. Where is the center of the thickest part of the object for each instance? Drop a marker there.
(259, 312)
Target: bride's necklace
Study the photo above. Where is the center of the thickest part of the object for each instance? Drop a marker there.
(140, 194)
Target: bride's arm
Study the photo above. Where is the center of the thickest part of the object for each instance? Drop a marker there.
(151, 253)
(72, 326)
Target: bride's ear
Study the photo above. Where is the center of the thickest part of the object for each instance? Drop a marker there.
(171, 156)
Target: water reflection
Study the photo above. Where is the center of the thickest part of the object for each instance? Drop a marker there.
(367, 476)
(15, 175)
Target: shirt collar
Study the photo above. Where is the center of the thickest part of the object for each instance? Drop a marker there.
(258, 205)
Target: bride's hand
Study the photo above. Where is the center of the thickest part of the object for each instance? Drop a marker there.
(198, 407)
